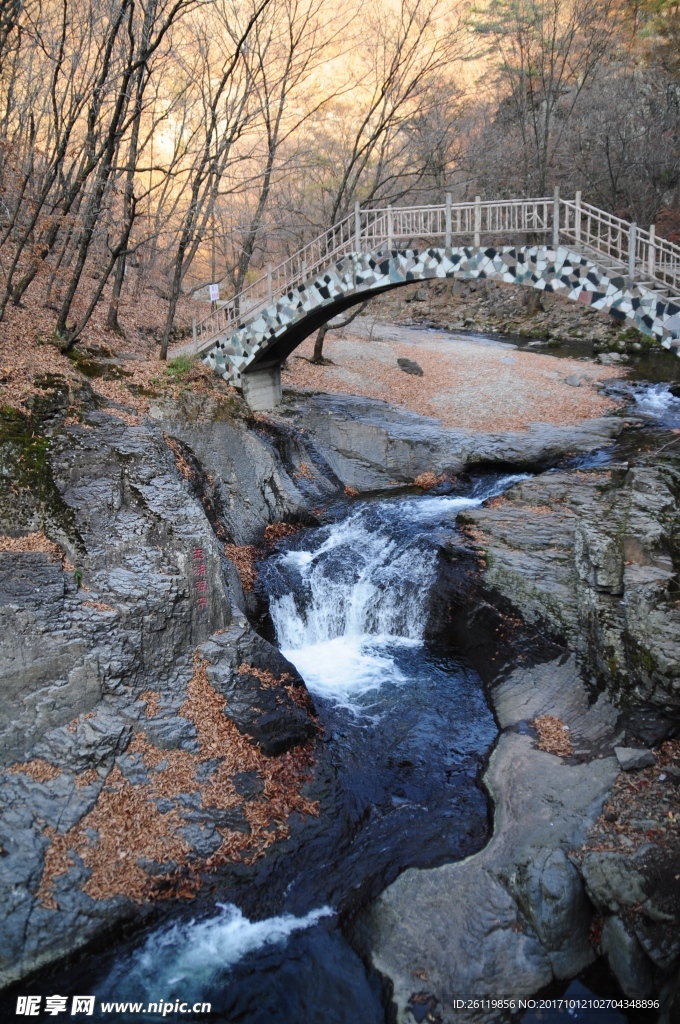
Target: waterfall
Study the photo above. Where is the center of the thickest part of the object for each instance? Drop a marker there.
(357, 591)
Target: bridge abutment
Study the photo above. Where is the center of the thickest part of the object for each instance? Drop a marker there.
(262, 388)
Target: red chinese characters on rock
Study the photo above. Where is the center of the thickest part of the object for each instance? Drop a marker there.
(200, 578)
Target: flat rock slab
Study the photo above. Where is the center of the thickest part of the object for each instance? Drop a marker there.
(510, 919)
(371, 444)
(529, 693)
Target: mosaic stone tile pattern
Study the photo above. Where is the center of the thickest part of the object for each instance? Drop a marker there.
(560, 270)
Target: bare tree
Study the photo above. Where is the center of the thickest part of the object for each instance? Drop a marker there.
(625, 144)
(546, 52)
(226, 96)
(283, 54)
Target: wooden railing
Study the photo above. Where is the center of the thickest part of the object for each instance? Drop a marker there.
(644, 257)
(549, 220)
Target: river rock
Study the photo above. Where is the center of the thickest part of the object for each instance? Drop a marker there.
(259, 476)
(137, 617)
(410, 366)
(145, 524)
(613, 881)
(573, 380)
(263, 711)
(640, 888)
(589, 557)
(631, 758)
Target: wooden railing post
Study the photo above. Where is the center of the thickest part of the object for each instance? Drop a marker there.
(390, 228)
(447, 232)
(632, 238)
(556, 218)
(577, 217)
(478, 221)
(357, 226)
(193, 333)
(651, 256)
(270, 289)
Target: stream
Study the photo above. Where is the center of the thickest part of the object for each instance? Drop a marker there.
(407, 731)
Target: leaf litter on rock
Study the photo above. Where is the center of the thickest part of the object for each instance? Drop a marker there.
(131, 830)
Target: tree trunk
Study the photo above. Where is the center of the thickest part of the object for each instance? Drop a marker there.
(317, 357)
(112, 316)
(318, 345)
(533, 301)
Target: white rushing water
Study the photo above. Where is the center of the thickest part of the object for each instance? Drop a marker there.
(184, 958)
(359, 593)
(657, 402)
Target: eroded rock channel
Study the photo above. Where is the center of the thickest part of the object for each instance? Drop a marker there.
(275, 696)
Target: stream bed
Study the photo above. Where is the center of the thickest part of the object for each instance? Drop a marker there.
(407, 731)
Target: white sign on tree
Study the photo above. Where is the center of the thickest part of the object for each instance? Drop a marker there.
(214, 292)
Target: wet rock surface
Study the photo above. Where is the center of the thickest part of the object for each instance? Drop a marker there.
(515, 916)
(592, 556)
(266, 698)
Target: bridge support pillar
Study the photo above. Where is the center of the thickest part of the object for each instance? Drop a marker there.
(262, 388)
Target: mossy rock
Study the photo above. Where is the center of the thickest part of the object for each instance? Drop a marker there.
(94, 368)
(632, 336)
(29, 497)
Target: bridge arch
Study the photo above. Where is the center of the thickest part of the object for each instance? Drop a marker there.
(251, 356)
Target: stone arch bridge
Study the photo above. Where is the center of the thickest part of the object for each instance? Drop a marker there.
(562, 246)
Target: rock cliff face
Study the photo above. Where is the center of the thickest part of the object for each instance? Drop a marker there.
(130, 675)
(592, 556)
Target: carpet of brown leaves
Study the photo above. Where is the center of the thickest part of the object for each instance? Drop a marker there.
(265, 677)
(464, 385)
(426, 481)
(180, 461)
(152, 701)
(98, 606)
(277, 531)
(244, 557)
(87, 777)
(553, 735)
(129, 370)
(39, 771)
(132, 832)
